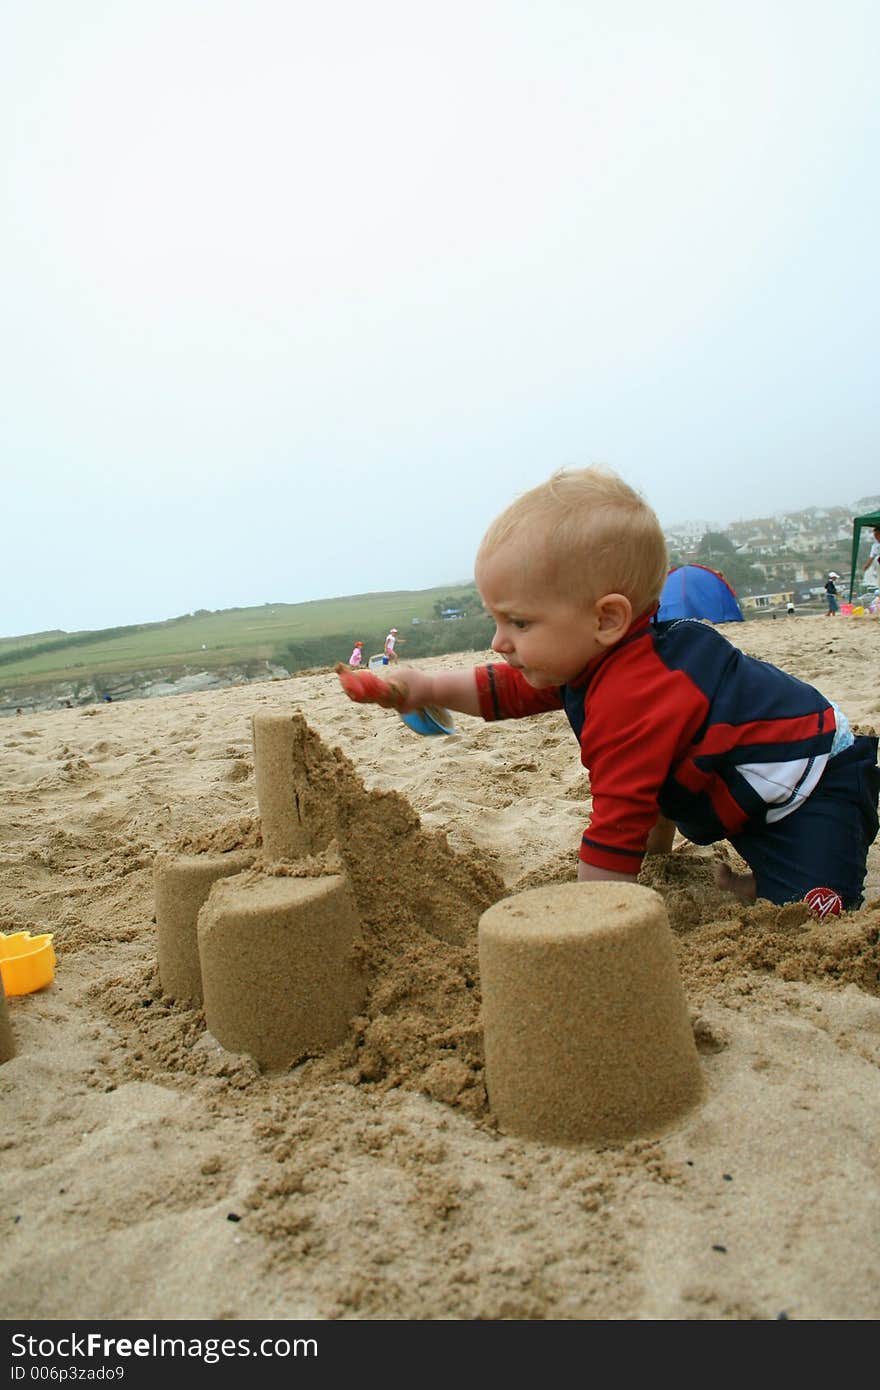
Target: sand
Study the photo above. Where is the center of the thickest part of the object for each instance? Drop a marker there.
(149, 1173)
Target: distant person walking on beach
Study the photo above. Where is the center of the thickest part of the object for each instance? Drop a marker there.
(357, 655)
(831, 593)
(391, 640)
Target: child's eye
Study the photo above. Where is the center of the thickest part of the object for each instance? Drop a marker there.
(519, 623)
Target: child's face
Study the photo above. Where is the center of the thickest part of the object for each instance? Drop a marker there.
(549, 637)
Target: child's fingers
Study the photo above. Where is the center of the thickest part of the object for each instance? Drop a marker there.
(366, 689)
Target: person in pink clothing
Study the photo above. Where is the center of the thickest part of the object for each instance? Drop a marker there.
(357, 655)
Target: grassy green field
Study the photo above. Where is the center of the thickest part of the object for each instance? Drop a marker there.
(233, 636)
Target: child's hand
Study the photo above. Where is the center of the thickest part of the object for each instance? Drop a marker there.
(366, 689)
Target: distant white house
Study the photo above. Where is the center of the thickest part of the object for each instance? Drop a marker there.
(761, 601)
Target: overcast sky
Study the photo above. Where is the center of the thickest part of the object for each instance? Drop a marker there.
(296, 295)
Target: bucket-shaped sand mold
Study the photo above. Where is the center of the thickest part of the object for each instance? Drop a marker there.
(282, 785)
(280, 968)
(586, 1029)
(181, 883)
(7, 1042)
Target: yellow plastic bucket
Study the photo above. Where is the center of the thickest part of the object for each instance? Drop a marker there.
(26, 962)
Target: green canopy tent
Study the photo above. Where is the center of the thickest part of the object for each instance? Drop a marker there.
(872, 519)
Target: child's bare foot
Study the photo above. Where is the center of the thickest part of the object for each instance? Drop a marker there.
(743, 885)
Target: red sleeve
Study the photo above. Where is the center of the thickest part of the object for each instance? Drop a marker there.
(506, 694)
(640, 719)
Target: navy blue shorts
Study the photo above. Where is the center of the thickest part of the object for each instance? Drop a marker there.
(825, 843)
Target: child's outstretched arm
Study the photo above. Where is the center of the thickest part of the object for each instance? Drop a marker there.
(409, 689)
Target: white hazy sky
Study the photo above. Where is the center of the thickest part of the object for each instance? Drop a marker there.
(296, 295)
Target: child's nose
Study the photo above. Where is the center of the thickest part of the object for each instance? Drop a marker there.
(501, 643)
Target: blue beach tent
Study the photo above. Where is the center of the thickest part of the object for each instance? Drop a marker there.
(695, 591)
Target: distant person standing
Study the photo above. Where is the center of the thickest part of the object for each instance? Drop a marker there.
(872, 568)
(357, 655)
(391, 656)
(831, 593)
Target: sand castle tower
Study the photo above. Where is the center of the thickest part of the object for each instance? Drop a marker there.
(586, 1029)
(280, 968)
(181, 884)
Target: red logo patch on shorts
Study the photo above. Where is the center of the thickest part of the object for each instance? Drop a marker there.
(824, 902)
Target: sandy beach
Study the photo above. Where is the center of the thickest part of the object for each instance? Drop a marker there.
(149, 1173)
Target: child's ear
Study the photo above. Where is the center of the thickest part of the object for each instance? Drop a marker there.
(614, 617)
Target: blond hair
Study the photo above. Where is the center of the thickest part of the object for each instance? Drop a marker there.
(585, 532)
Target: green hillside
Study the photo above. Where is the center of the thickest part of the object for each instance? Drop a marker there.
(296, 636)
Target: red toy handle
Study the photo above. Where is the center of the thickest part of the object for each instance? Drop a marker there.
(366, 689)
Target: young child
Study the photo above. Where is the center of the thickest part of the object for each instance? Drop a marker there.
(675, 724)
(357, 655)
(390, 645)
